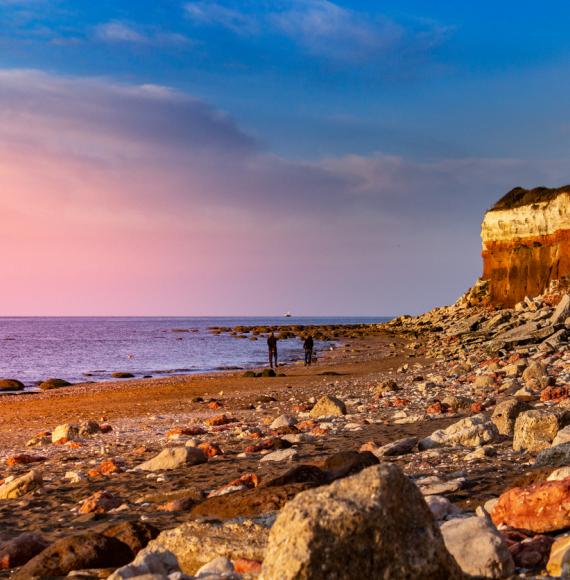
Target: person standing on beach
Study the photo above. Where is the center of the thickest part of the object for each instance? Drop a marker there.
(272, 347)
(308, 345)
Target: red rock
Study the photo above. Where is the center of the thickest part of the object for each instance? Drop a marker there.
(20, 550)
(543, 507)
(246, 566)
(219, 420)
(401, 402)
(214, 405)
(477, 407)
(109, 467)
(61, 441)
(93, 473)
(306, 425)
(23, 459)
(555, 393)
(177, 505)
(532, 553)
(318, 431)
(438, 408)
(99, 503)
(301, 408)
(210, 449)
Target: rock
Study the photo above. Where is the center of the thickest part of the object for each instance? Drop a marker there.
(554, 456)
(562, 311)
(99, 503)
(11, 385)
(563, 436)
(441, 508)
(75, 476)
(534, 430)
(280, 455)
(485, 381)
(469, 432)
(543, 507)
(87, 550)
(559, 474)
(20, 550)
(371, 525)
(433, 485)
(395, 448)
(559, 560)
(220, 566)
(457, 403)
(268, 373)
(65, 432)
(505, 414)
(89, 428)
(481, 453)
(526, 394)
(158, 564)
(328, 406)
(478, 547)
(283, 421)
(194, 544)
(530, 551)
(21, 485)
(173, 458)
(348, 463)
(50, 384)
(535, 376)
(384, 387)
(122, 375)
(248, 502)
(136, 535)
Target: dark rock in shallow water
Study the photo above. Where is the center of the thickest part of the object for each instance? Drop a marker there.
(83, 551)
(50, 384)
(120, 375)
(11, 385)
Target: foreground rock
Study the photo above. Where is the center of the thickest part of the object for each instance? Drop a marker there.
(478, 547)
(173, 458)
(88, 550)
(11, 385)
(20, 550)
(506, 413)
(195, 544)
(543, 507)
(371, 525)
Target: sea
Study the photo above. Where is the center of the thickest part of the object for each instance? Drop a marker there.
(91, 349)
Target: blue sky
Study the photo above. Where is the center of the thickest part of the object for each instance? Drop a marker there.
(402, 121)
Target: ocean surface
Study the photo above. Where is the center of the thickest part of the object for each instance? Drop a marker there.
(91, 349)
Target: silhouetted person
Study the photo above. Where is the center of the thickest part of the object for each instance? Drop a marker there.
(308, 345)
(272, 347)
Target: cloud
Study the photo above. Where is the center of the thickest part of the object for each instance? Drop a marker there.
(120, 32)
(325, 29)
(147, 200)
(214, 13)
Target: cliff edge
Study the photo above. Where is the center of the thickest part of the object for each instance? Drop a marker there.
(526, 243)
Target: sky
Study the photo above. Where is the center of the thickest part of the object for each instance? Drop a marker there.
(197, 157)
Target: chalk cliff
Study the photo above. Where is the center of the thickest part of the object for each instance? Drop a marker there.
(526, 243)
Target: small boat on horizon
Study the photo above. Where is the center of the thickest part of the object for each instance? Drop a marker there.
(287, 315)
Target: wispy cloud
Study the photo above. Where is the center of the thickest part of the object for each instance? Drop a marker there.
(323, 28)
(121, 32)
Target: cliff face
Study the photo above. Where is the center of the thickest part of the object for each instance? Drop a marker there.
(526, 243)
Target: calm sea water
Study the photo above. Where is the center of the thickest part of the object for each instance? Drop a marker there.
(33, 349)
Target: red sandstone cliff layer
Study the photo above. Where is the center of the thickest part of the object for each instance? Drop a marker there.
(526, 243)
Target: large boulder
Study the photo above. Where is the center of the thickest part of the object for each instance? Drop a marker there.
(21, 485)
(51, 384)
(173, 458)
(372, 525)
(87, 550)
(558, 455)
(328, 406)
(478, 547)
(469, 432)
(543, 507)
(194, 544)
(535, 430)
(505, 414)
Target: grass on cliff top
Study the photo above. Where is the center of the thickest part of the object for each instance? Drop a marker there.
(519, 196)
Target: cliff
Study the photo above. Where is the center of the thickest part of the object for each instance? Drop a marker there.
(526, 243)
